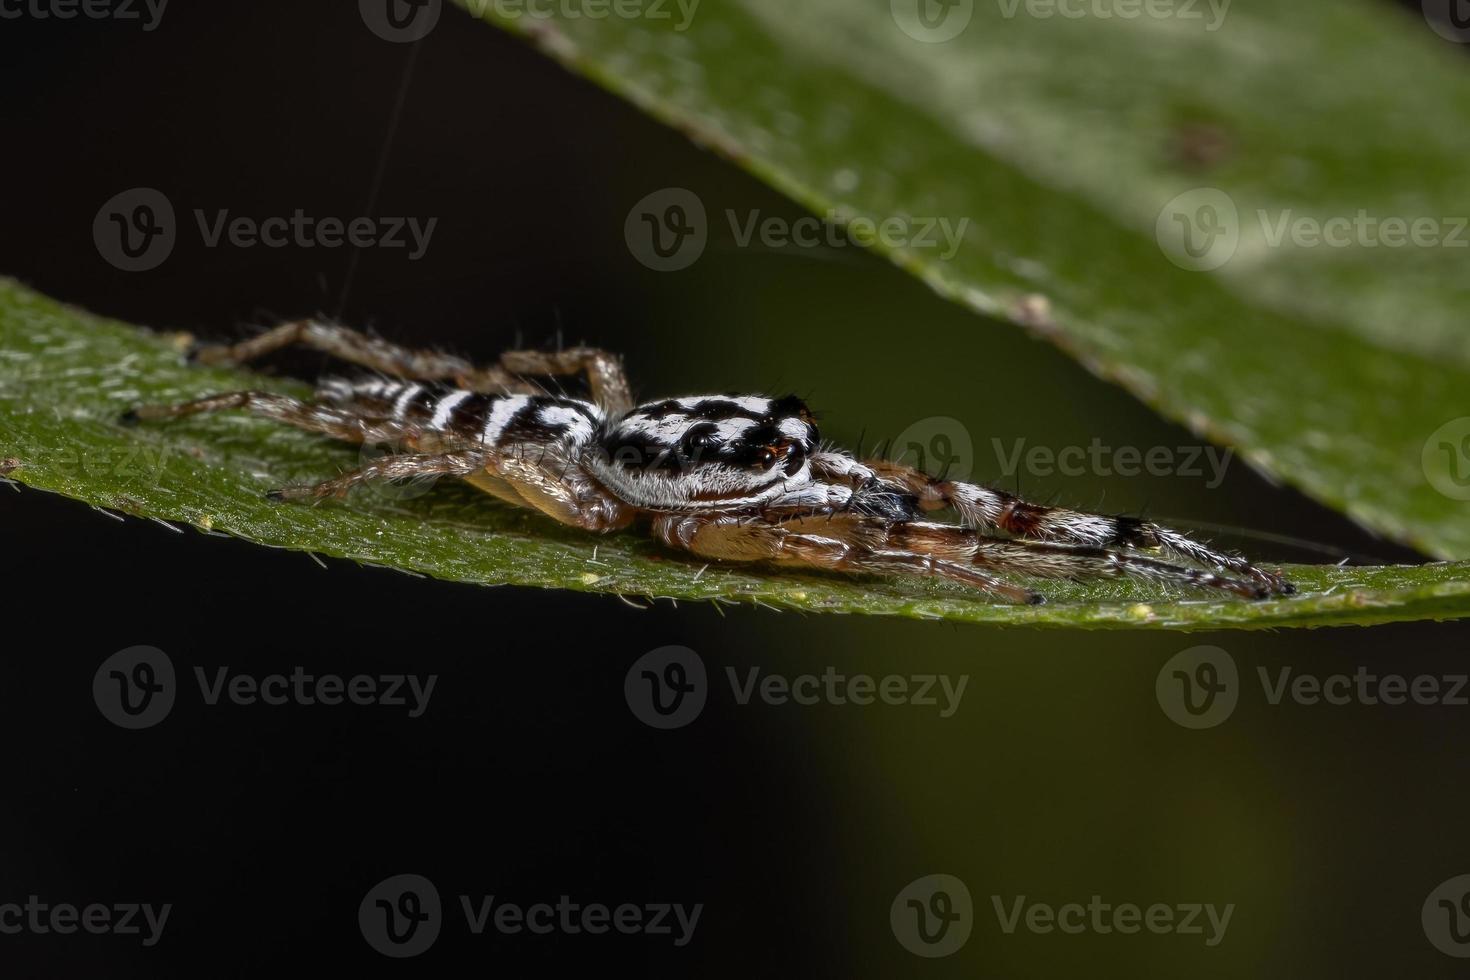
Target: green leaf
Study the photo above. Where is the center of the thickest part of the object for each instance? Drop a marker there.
(1063, 140)
(65, 376)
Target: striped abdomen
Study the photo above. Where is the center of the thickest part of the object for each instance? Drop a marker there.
(491, 420)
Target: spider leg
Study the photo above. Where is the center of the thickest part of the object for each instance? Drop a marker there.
(989, 509)
(556, 487)
(1040, 559)
(370, 352)
(834, 543)
(400, 467)
(313, 417)
(604, 372)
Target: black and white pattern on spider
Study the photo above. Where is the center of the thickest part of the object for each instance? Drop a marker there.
(727, 477)
(497, 421)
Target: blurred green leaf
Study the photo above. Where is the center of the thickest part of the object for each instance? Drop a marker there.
(1078, 151)
(65, 376)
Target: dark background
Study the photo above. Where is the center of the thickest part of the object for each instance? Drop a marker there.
(528, 777)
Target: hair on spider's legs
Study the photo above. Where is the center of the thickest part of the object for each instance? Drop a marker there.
(831, 542)
(989, 509)
(342, 342)
(890, 562)
(604, 372)
(369, 352)
(1041, 559)
(312, 417)
(402, 467)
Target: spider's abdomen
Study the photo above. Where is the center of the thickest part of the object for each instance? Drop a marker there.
(496, 421)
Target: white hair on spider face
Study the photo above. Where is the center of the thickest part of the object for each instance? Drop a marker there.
(711, 452)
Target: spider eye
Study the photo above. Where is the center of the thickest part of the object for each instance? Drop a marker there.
(767, 458)
(698, 442)
(795, 458)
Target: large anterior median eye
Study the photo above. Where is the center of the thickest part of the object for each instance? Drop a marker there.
(698, 441)
(766, 458)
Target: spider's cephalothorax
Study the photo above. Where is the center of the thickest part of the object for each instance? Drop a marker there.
(684, 454)
(728, 477)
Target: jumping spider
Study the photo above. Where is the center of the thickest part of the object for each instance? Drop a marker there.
(732, 478)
